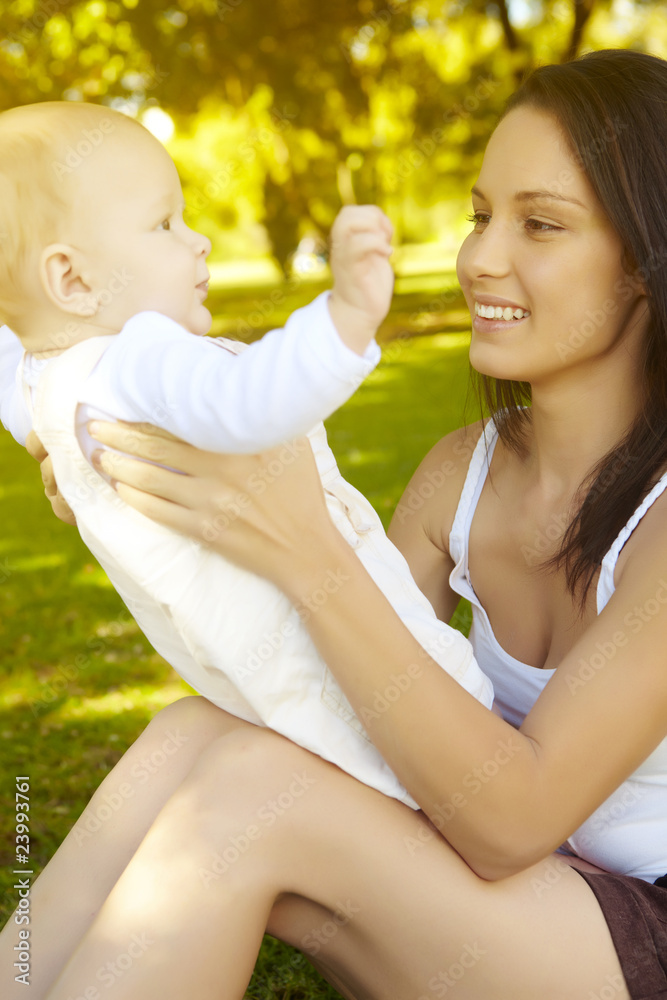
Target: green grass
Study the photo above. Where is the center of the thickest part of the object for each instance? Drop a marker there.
(79, 682)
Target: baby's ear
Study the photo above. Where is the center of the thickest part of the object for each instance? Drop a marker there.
(60, 274)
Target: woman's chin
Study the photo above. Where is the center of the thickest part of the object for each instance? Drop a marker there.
(506, 362)
(493, 367)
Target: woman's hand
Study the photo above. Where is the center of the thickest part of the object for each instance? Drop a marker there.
(36, 449)
(264, 512)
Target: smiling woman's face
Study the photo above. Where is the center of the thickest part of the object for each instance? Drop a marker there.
(544, 252)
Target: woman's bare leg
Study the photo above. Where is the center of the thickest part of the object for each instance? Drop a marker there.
(68, 893)
(262, 834)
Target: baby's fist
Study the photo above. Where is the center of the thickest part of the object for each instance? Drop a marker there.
(363, 277)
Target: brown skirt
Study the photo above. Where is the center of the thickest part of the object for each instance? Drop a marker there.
(636, 913)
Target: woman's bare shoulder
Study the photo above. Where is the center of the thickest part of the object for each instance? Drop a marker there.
(649, 535)
(423, 519)
(431, 497)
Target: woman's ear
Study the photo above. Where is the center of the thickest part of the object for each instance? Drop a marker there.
(61, 276)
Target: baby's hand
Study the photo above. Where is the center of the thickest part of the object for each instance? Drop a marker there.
(363, 278)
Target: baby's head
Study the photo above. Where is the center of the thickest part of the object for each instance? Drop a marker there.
(91, 227)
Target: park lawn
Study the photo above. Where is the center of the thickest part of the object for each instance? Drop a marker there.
(79, 682)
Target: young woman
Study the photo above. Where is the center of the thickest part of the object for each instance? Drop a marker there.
(564, 274)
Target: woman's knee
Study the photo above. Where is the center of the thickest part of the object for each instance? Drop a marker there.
(192, 718)
(258, 775)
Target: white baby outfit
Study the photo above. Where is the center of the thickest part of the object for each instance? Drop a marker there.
(232, 636)
(627, 834)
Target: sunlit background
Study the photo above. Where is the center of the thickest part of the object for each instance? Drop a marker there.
(277, 112)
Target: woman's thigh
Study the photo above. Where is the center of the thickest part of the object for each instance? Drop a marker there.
(75, 883)
(387, 910)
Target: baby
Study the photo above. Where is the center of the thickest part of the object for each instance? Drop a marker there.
(104, 285)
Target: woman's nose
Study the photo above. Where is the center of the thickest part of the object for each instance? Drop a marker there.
(487, 252)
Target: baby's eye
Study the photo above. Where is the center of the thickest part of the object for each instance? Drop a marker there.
(165, 224)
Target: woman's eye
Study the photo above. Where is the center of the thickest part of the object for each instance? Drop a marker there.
(537, 226)
(165, 224)
(479, 218)
(532, 225)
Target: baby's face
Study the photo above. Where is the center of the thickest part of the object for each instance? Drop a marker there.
(128, 220)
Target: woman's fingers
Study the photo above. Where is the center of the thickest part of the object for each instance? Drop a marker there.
(143, 476)
(253, 509)
(172, 515)
(62, 510)
(35, 448)
(143, 441)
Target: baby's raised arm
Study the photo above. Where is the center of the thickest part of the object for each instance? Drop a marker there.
(155, 371)
(363, 278)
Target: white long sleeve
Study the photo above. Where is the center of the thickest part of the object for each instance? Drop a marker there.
(14, 412)
(155, 371)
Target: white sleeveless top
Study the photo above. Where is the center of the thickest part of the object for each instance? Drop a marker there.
(628, 833)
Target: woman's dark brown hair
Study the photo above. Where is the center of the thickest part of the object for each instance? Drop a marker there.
(612, 107)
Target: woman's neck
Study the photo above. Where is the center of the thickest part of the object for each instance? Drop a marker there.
(575, 421)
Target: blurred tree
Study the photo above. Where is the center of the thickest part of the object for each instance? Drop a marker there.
(367, 100)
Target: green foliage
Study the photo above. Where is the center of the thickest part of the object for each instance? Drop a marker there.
(283, 111)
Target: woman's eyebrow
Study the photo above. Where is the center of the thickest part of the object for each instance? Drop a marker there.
(535, 196)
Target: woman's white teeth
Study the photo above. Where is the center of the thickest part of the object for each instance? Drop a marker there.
(497, 312)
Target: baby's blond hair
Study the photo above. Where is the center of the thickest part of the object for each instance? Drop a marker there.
(41, 148)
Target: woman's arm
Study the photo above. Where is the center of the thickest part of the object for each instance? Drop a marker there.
(503, 799)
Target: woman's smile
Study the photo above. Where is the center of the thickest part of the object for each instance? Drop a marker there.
(492, 313)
